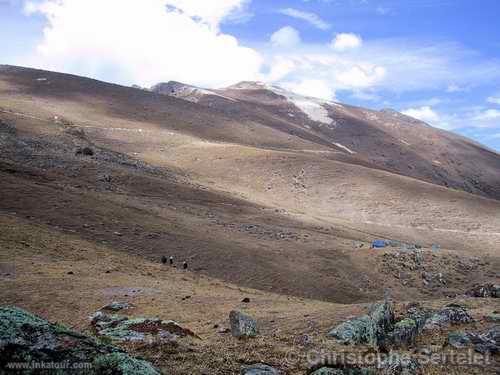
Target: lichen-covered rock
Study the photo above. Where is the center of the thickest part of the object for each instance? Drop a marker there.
(122, 364)
(396, 364)
(121, 328)
(458, 340)
(259, 369)
(361, 330)
(368, 329)
(383, 316)
(242, 325)
(485, 291)
(450, 315)
(327, 371)
(25, 337)
(403, 335)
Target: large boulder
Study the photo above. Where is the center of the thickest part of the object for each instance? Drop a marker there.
(242, 325)
(259, 369)
(27, 338)
(368, 329)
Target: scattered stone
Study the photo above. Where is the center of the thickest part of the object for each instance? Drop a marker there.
(485, 291)
(117, 306)
(458, 340)
(71, 273)
(245, 300)
(259, 369)
(27, 338)
(223, 330)
(242, 325)
(86, 151)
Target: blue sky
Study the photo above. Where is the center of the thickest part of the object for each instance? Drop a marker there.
(438, 60)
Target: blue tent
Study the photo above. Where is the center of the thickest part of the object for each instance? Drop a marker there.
(379, 244)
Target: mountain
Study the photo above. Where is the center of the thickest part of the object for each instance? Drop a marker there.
(384, 139)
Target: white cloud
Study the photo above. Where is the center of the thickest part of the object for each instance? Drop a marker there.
(309, 17)
(426, 114)
(311, 87)
(455, 88)
(382, 11)
(489, 114)
(344, 41)
(143, 42)
(285, 37)
(360, 76)
(494, 100)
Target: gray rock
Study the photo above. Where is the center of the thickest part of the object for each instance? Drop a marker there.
(259, 369)
(117, 306)
(450, 315)
(27, 338)
(485, 291)
(242, 325)
(458, 340)
(397, 364)
(489, 341)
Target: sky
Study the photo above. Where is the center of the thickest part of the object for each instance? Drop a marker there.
(436, 60)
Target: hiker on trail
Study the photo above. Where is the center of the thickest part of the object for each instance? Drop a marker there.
(185, 265)
(171, 260)
(164, 259)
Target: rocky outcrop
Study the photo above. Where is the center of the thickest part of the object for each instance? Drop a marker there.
(121, 328)
(27, 338)
(379, 329)
(242, 325)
